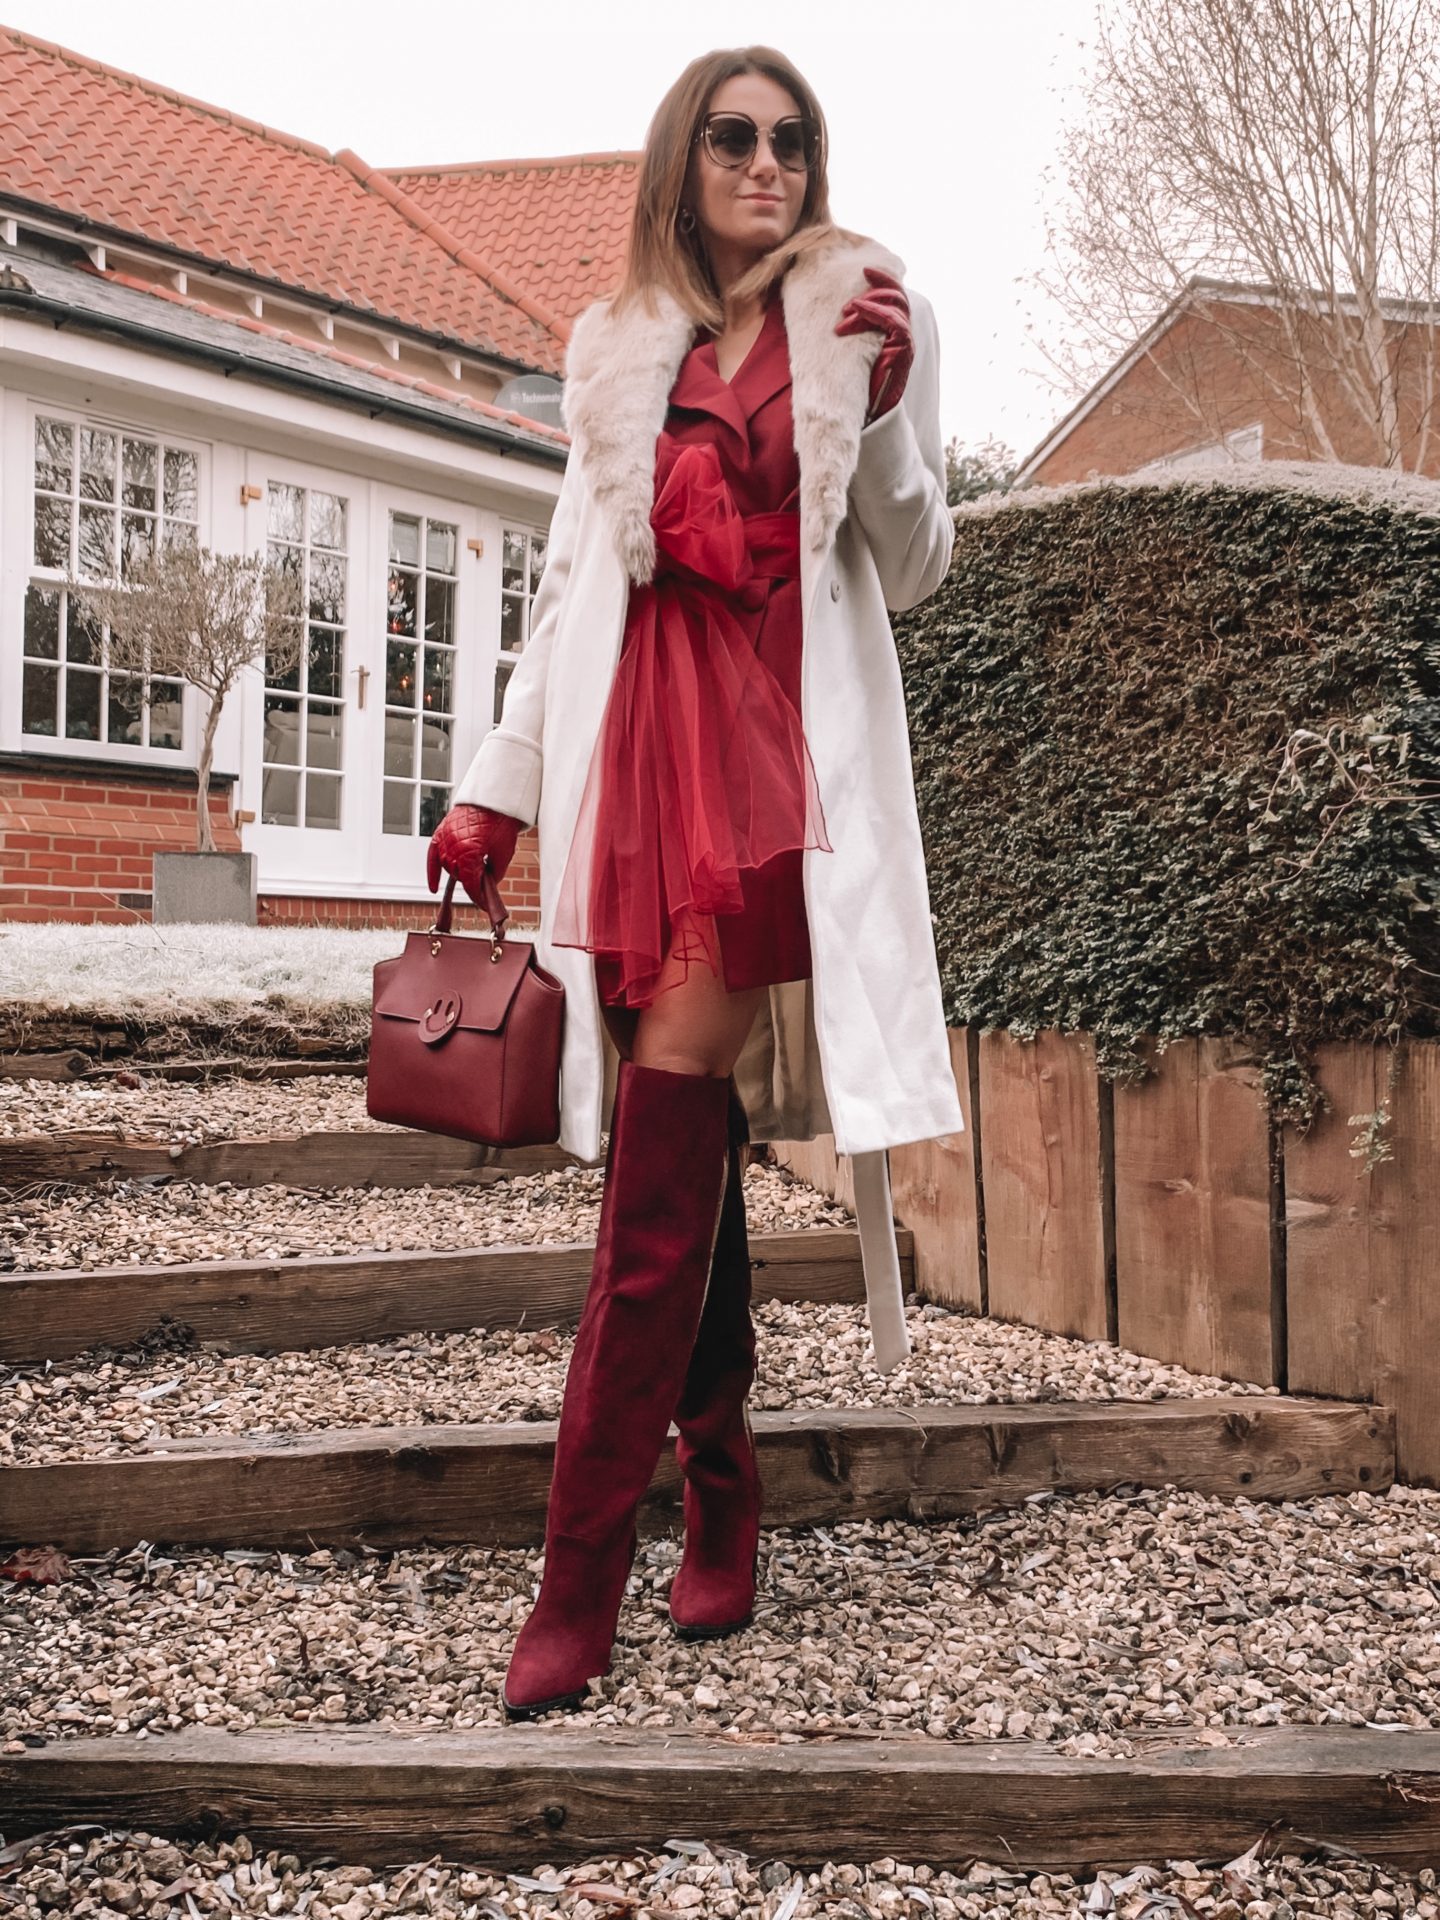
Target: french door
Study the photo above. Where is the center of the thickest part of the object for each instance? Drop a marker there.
(351, 752)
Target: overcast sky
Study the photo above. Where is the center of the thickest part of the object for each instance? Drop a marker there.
(943, 115)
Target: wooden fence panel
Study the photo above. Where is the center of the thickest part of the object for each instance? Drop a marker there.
(933, 1189)
(1044, 1185)
(1193, 1214)
(1363, 1267)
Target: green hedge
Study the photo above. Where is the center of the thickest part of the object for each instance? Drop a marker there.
(1177, 752)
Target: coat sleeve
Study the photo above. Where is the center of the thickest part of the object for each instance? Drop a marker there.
(505, 772)
(898, 488)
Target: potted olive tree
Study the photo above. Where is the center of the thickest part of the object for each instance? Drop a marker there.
(190, 614)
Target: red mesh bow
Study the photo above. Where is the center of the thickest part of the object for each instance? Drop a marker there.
(883, 309)
(462, 842)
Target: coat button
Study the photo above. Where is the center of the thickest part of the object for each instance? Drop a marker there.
(834, 589)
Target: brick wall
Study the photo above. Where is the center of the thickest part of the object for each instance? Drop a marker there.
(77, 847)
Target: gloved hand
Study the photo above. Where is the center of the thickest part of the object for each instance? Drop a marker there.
(884, 309)
(463, 842)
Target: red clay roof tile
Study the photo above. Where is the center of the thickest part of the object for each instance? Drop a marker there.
(557, 227)
(123, 154)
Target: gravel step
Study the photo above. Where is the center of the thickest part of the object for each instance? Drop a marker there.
(142, 1873)
(1081, 1620)
(399, 1486)
(811, 1354)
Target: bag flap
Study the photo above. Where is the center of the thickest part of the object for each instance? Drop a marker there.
(460, 979)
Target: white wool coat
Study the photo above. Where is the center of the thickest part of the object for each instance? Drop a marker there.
(859, 1050)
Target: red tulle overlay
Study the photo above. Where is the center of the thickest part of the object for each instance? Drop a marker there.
(701, 768)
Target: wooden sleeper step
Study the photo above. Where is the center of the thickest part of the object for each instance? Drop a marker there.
(488, 1485)
(507, 1798)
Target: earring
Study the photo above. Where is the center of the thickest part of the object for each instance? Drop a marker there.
(685, 220)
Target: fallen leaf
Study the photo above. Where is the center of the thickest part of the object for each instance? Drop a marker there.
(42, 1566)
(605, 1896)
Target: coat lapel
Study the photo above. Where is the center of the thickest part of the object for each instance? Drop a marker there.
(619, 374)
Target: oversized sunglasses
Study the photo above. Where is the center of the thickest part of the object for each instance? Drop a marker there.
(731, 139)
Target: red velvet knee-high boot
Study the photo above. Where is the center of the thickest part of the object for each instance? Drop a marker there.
(664, 1182)
(713, 1592)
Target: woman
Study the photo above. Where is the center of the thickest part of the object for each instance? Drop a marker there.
(732, 878)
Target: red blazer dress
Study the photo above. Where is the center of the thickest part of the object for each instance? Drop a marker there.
(701, 795)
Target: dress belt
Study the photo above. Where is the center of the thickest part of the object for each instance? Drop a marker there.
(701, 535)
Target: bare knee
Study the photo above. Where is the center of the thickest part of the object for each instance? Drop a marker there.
(682, 1059)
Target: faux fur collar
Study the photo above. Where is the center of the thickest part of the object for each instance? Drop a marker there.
(619, 372)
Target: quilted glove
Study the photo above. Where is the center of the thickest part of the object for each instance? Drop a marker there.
(464, 840)
(884, 308)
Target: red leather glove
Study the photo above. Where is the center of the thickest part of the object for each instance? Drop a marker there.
(463, 842)
(884, 309)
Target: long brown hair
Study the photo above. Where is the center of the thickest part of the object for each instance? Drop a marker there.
(659, 254)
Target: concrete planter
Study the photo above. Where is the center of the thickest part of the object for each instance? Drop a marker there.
(204, 888)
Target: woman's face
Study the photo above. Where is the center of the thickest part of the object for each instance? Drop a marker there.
(746, 210)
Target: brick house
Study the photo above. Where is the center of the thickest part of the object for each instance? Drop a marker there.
(1215, 379)
(214, 332)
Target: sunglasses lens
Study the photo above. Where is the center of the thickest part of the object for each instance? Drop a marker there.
(795, 144)
(732, 139)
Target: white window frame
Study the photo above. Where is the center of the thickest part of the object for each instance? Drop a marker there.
(58, 745)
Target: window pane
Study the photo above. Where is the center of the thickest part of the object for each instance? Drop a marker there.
(123, 713)
(181, 533)
(322, 801)
(399, 674)
(399, 805)
(537, 559)
(434, 805)
(83, 637)
(502, 680)
(182, 485)
(512, 623)
(437, 681)
(434, 749)
(55, 456)
(289, 680)
(52, 534)
(405, 539)
(324, 671)
(512, 563)
(399, 745)
(40, 699)
(97, 464)
(327, 520)
(400, 602)
(285, 519)
(82, 705)
(440, 611)
(166, 714)
(440, 545)
(97, 542)
(327, 588)
(322, 739)
(282, 731)
(138, 476)
(137, 541)
(42, 622)
(280, 798)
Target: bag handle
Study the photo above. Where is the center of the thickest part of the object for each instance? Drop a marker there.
(491, 905)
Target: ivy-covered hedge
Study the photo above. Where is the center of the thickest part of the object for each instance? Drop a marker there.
(1177, 751)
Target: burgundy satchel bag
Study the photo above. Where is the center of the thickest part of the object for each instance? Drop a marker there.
(465, 1034)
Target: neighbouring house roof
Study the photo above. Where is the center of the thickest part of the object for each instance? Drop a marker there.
(111, 151)
(556, 227)
(1199, 291)
(114, 306)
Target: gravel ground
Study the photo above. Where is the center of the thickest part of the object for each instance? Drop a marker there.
(810, 1356)
(1078, 1620)
(137, 1874)
(185, 1112)
(145, 1222)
